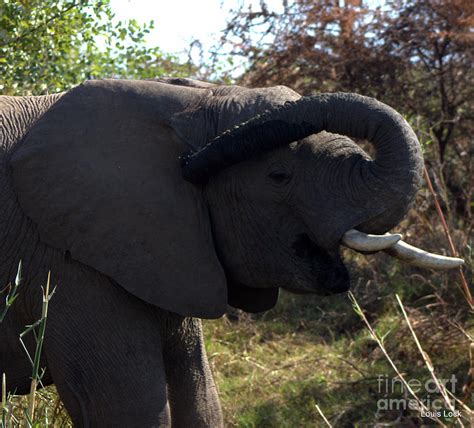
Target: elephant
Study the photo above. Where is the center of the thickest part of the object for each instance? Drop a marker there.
(155, 203)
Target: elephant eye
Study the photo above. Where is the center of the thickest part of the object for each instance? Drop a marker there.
(279, 177)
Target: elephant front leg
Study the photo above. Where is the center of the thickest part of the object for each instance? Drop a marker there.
(105, 356)
(192, 392)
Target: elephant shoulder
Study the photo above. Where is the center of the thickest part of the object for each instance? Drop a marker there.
(18, 114)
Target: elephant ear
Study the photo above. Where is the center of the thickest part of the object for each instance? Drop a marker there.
(99, 174)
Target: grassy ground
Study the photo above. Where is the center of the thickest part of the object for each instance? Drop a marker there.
(274, 369)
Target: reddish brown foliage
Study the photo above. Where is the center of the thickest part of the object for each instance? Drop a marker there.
(417, 55)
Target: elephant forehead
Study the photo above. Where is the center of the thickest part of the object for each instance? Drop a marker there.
(100, 177)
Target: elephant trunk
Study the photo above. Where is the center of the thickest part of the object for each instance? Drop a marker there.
(385, 186)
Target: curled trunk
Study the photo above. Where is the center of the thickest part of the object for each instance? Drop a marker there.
(385, 186)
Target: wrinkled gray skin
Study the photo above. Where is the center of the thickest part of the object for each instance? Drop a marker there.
(91, 188)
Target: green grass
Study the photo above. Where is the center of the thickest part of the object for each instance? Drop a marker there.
(273, 369)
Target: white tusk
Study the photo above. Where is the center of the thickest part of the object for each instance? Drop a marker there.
(361, 241)
(416, 257)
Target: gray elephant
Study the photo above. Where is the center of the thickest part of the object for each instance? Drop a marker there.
(155, 203)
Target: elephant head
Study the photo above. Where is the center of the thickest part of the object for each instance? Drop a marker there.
(272, 187)
(284, 194)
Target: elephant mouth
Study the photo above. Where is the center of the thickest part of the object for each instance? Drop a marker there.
(325, 271)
